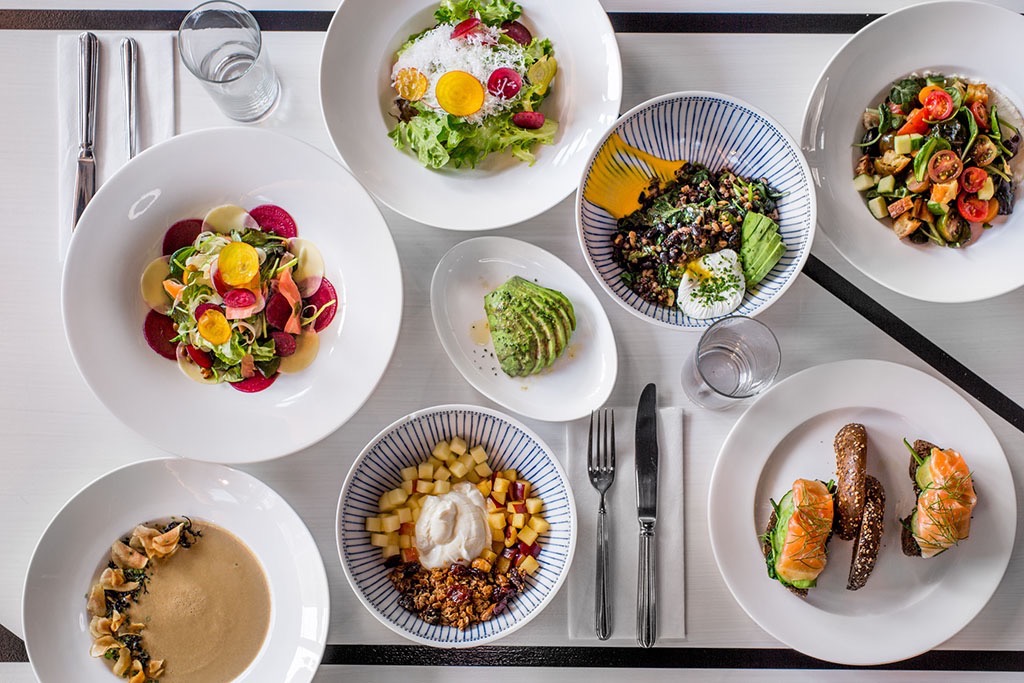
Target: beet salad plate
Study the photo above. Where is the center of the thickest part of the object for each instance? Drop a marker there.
(214, 301)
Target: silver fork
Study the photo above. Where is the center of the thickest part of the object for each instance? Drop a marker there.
(601, 470)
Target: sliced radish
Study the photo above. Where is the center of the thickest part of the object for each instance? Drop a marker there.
(255, 383)
(517, 32)
(273, 218)
(190, 368)
(243, 312)
(181, 234)
(466, 27)
(203, 308)
(239, 298)
(307, 345)
(198, 356)
(530, 120)
(152, 285)
(284, 343)
(321, 297)
(310, 270)
(278, 311)
(159, 330)
(228, 217)
(504, 83)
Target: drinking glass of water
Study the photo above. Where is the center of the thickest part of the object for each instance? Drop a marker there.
(220, 43)
(736, 358)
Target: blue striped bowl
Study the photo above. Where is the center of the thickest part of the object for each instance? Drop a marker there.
(408, 442)
(718, 131)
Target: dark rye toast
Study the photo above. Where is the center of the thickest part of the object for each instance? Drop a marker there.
(869, 535)
(851, 446)
(907, 541)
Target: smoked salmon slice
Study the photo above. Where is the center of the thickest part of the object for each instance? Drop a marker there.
(803, 555)
(944, 507)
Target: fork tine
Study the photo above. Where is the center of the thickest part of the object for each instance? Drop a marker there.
(612, 451)
(590, 443)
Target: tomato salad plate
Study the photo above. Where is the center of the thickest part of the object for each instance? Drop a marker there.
(909, 604)
(469, 114)
(215, 301)
(914, 150)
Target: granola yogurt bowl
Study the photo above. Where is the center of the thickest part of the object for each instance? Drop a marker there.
(488, 469)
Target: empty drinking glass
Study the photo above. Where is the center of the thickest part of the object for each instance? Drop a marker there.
(220, 43)
(736, 358)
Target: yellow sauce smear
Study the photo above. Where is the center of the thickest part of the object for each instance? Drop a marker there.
(621, 172)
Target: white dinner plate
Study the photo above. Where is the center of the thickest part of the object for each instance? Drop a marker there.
(121, 231)
(858, 77)
(576, 383)
(356, 99)
(910, 604)
(66, 561)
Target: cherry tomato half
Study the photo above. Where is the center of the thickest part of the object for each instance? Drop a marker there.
(939, 104)
(976, 210)
(896, 109)
(973, 179)
(926, 91)
(980, 112)
(944, 166)
(917, 122)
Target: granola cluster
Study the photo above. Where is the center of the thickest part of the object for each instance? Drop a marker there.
(457, 596)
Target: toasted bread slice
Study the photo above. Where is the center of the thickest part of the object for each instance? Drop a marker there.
(851, 446)
(869, 535)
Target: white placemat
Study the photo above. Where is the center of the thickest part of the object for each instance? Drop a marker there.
(624, 532)
(155, 111)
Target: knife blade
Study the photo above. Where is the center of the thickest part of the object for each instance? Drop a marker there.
(130, 86)
(646, 461)
(88, 75)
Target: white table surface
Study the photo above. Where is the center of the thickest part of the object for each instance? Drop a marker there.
(55, 436)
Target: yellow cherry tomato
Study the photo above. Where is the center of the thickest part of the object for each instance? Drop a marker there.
(214, 327)
(411, 84)
(238, 263)
(459, 93)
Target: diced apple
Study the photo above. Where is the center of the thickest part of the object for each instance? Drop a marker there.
(529, 565)
(503, 565)
(379, 540)
(520, 490)
(424, 486)
(409, 486)
(467, 460)
(511, 553)
(442, 473)
(458, 469)
(483, 470)
(478, 454)
(409, 529)
(384, 503)
(516, 508)
(410, 555)
(457, 445)
(373, 525)
(393, 538)
(481, 564)
(484, 487)
(391, 550)
(518, 520)
(442, 451)
(404, 541)
(492, 505)
(426, 471)
(498, 536)
(534, 505)
(473, 478)
(408, 473)
(415, 501)
(496, 520)
(404, 515)
(511, 475)
(511, 536)
(539, 524)
(435, 463)
(519, 559)
(415, 514)
(390, 523)
(441, 487)
(489, 555)
(397, 497)
(501, 484)
(528, 535)
(498, 496)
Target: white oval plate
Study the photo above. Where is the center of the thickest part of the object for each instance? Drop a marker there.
(356, 97)
(858, 77)
(578, 382)
(909, 604)
(74, 544)
(122, 230)
(409, 441)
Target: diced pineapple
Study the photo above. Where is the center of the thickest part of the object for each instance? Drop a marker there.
(496, 520)
(424, 486)
(501, 484)
(442, 487)
(528, 535)
(498, 536)
(478, 454)
(415, 501)
(404, 514)
(511, 475)
(457, 445)
(380, 540)
(397, 497)
(390, 523)
(473, 477)
(391, 551)
(392, 538)
(384, 504)
(484, 487)
(498, 496)
(426, 471)
(518, 520)
(539, 524)
(534, 505)
(442, 451)
(442, 473)
(529, 565)
(373, 525)
(409, 486)
(467, 460)
(483, 470)
(458, 469)
(408, 473)
(435, 463)
(489, 555)
(503, 564)
(404, 541)
(415, 514)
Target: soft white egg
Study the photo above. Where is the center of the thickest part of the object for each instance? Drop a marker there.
(712, 286)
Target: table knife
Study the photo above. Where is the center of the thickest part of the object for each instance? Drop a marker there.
(647, 512)
(130, 85)
(88, 75)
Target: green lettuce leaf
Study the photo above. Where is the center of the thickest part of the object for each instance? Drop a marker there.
(491, 12)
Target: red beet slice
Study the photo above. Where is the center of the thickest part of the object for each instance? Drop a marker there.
(504, 83)
(273, 218)
(320, 297)
(181, 234)
(278, 311)
(465, 27)
(203, 308)
(159, 330)
(239, 298)
(218, 281)
(517, 32)
(530, 120)
(255, 383)
(284, 343)
(199, 357)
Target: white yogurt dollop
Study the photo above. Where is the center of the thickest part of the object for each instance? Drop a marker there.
(452, 527)
(713, 285)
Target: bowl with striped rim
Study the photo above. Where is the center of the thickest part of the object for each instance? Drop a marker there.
(719, 132)
(409, 441)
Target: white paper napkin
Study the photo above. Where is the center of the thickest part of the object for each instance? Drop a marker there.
(155, 111)
(624, 532)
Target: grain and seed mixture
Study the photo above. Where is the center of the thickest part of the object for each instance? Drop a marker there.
(457, 596)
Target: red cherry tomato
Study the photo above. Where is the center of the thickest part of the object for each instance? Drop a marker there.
(973, 179)
(976, 210)
(896, 109)
(939, 104)
(465, 27)
(944, 166)
(980, 112)
(917, 122)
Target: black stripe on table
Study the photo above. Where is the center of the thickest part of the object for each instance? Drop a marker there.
(286, 20)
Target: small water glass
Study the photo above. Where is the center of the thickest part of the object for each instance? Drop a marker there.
(221, 44)
(735, 359)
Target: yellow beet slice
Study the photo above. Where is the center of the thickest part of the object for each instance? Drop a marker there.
(214, 327)
(459, 93)
(238, 264)
(411, 84)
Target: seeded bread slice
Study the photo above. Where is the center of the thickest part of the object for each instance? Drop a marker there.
(907, 541)
(851, 446)
(869, 535)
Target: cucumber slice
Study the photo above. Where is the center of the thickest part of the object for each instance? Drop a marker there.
(988, 189)
(887, 185)
(878, 207)
(862, 183)
(902, 144)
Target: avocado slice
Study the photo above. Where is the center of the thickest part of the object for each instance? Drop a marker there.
(551, 310)
(554, 298)
(515, 341)
(761, 248)
(530, 325)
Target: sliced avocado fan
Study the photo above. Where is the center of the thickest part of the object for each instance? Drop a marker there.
(530, 325)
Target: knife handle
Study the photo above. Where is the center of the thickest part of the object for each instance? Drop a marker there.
(646, 600)
(130, 83)
(88, 76)
(601, 607)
